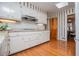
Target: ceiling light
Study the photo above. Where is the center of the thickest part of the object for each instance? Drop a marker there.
(7, 21)
(62, 4)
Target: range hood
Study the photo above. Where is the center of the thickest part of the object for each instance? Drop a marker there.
(29, 18)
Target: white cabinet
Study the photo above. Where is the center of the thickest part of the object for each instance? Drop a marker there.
(26, 10)
(14, 10)
(16, 44)
(42, 18)
(10, 10)
(4, 47)
(29, 12)
(23, 40)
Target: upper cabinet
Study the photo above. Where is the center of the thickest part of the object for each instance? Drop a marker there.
(42, 18)
(10, 10)
(28, 9)
(34, 11)
(15, 10)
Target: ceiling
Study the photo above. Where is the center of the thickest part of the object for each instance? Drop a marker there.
(50, 7)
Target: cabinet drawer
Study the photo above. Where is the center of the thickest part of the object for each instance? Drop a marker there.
(20, 33)
(14, 34)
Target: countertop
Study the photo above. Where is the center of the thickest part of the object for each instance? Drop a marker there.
(26, 30)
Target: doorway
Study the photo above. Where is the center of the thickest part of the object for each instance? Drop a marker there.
(71, 32)
(53, 28)
(71, 27)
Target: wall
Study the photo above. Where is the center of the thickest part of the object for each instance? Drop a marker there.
(27, 26)
(77, 27)
(77, 20)
(52, 15)
(62, 22)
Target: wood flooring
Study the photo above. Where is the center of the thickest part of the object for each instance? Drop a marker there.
(51, 48)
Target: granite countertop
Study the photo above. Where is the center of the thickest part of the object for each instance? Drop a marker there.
(26, 30)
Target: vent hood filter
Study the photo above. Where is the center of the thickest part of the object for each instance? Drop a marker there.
(29, 18)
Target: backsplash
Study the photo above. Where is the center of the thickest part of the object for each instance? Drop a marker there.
(26, 26)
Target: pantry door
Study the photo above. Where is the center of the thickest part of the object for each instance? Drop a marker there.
(53, 28)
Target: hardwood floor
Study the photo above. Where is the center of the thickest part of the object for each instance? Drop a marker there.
(51, 48)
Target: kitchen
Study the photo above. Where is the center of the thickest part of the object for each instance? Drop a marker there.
(39, 25)
(22, 25)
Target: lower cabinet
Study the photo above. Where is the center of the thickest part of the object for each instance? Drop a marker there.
(4, 48)
(25, 40)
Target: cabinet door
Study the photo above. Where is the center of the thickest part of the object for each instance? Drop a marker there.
(16, 44)
(10, 10)
(42, 18)
(38, 38)
(28, 11)
(4, 10)
(17, 11)
(45, 18)
(32, 39)
(43, 36)
(39, 17)
(4, 48)
(24, 10)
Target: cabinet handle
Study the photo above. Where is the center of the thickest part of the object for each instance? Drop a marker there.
(33, 7)
(24, 3)
(72, 10)
(30, 5)
(27, 4)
